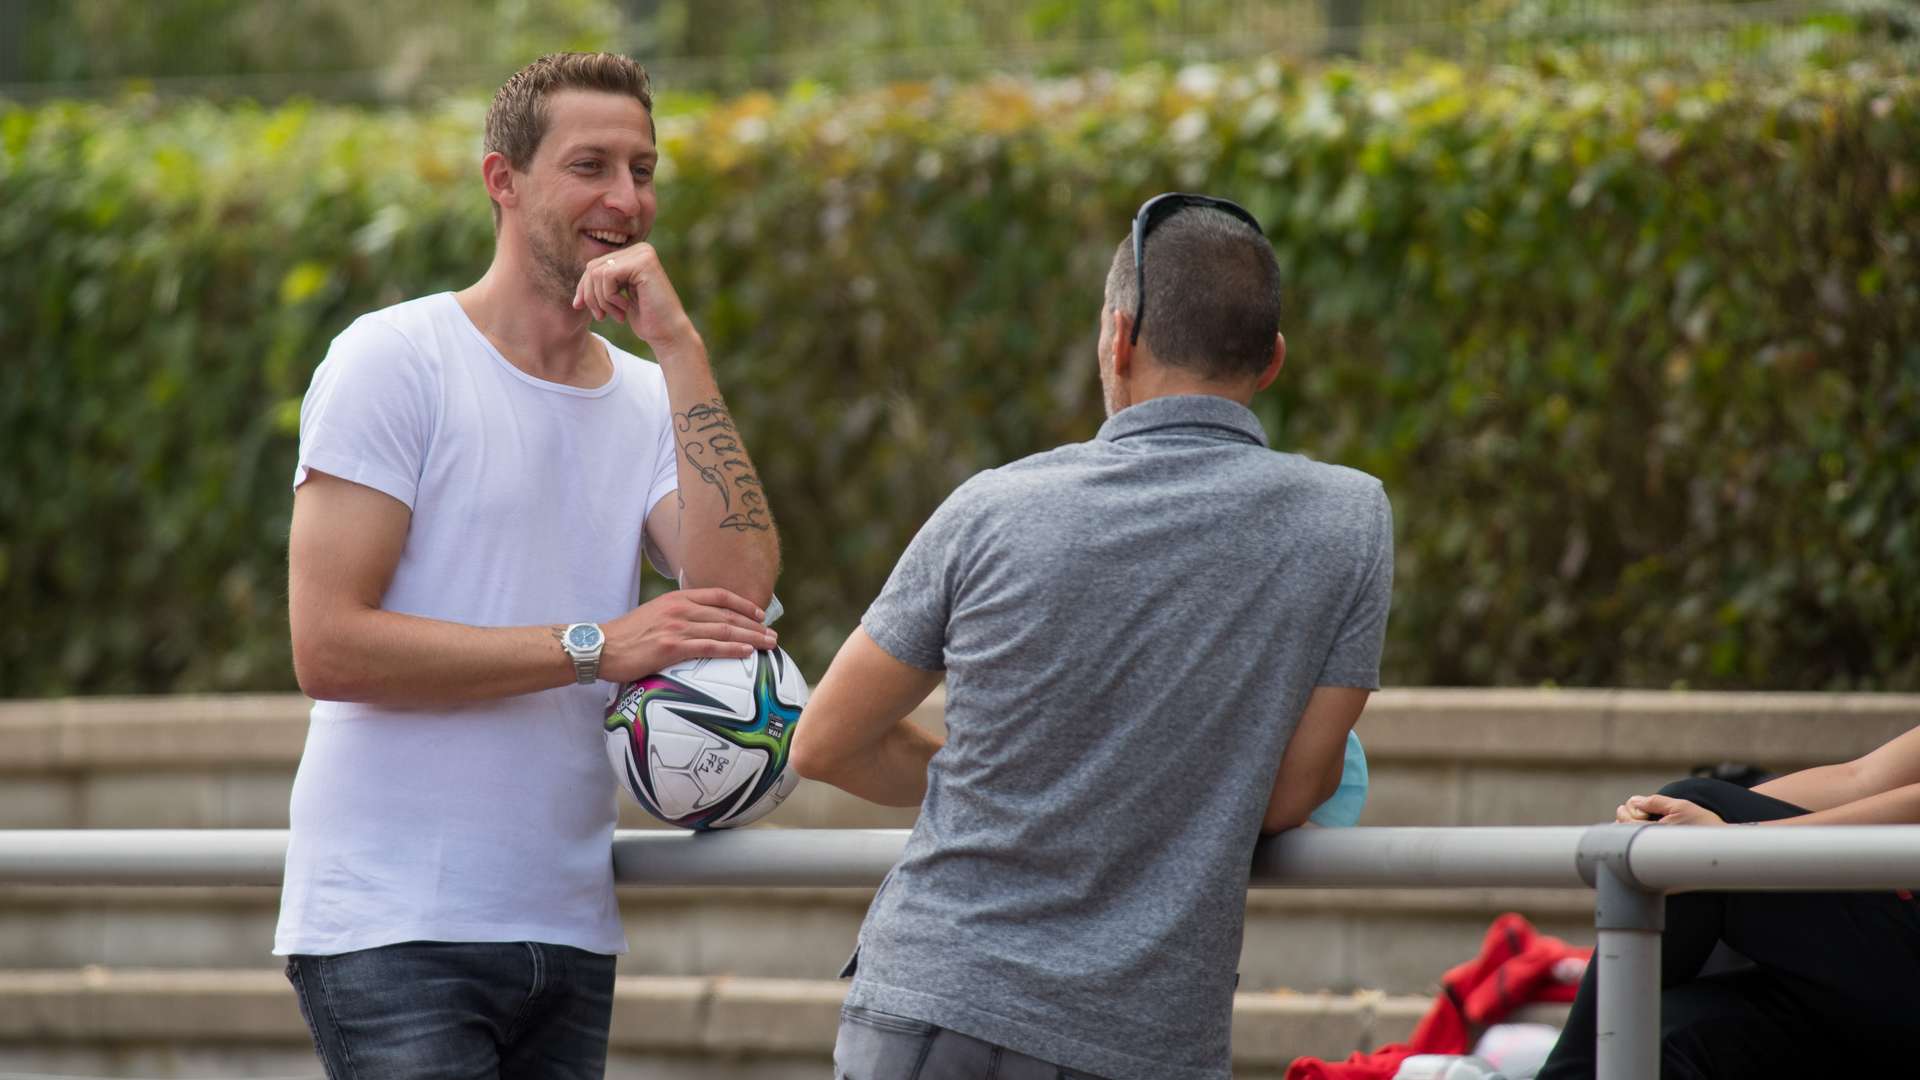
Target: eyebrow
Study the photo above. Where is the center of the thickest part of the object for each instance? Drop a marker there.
(601, 151)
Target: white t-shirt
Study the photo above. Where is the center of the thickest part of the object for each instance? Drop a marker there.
(491, 821)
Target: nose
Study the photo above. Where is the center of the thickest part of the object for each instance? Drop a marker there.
(624, 196)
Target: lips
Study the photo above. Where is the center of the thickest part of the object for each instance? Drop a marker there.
(610, 239)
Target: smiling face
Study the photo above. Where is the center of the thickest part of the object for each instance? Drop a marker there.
(589, 189)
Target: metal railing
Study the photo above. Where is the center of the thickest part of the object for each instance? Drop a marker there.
(1631, 868)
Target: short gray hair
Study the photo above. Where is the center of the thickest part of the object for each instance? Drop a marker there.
(1213, 293)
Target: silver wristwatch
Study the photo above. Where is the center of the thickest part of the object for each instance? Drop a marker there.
(583, 642)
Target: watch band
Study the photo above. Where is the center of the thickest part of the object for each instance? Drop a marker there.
(586, 668)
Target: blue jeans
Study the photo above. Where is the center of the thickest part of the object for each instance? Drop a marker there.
(875, 1045)
(431, 1010)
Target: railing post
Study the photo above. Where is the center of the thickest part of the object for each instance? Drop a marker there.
(1629, 918)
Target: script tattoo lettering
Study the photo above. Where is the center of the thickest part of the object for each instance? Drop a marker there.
(712, 446)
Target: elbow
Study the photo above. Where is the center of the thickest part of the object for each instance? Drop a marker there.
(1284, 820)
(761, 595)
(762, 574)
(749, 583)
(1329, 787)
(757, 586)
(320, 671)
(809, 759)
(1292, 810)
(312, 683)
(1285, 813)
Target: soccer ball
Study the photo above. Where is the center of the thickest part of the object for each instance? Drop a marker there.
(705, 743)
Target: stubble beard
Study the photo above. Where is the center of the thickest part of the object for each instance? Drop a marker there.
(556, 268)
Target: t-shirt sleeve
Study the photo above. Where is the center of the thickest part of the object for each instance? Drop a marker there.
(367, 416)
(1355, 658)
(909, 618)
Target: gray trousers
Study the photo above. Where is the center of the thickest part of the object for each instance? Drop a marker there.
(881, 1046)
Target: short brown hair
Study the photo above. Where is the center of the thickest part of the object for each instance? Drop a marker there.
(517, 120)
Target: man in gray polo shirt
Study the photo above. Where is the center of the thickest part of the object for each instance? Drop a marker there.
(1155, 644)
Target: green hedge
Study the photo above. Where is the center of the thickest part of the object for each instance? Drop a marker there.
(1639, 359)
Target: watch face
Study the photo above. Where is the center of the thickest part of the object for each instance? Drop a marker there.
(583, 636)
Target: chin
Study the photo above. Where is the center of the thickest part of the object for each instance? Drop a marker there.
(558, 274)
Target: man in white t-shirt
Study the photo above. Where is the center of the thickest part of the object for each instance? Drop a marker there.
(479, 476)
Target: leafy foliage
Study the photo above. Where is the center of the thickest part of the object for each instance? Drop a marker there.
(375, 51)
(1637, 358)
(355, 49)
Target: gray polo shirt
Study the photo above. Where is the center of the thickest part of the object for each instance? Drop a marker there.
(1130, 629)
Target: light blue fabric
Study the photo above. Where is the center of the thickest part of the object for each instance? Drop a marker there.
(1343, 809)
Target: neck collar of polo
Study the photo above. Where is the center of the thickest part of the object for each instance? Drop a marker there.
(1210, 414)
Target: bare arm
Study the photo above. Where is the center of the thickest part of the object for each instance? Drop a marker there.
(346, 542)
(1893, 764)
(720, 530)
(855, 733)
(1310, 769)
(1881, 787)
(1900, 806)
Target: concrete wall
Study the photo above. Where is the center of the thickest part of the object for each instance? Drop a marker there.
(146, 1023)
(1440, 757)
(178, 982)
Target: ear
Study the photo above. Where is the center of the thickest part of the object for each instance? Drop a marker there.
(1274, 365)
(497, 174)
(1123, 346)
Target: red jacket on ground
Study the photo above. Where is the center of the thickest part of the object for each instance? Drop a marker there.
(1517, 965)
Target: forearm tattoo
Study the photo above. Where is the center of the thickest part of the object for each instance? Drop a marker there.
(712, 446)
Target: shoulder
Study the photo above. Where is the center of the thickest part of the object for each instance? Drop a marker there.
(416, 319)
(393, 339)
(1339, 483)
(976, 495)
(1020, 478)
(1349, 481)
(1012, 504)
(1015, 484)
(1345, 506)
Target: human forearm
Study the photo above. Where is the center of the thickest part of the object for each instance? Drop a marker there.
(724, 533)
(856, 733)
(727, 535)
(389, 658)
(346, 651)
(1818, 788)
(1311, 766)
(1901, 806)
(1293, 803)
(891, 771)
(1879, 788)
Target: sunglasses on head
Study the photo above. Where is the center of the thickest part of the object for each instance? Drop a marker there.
(1153, 212)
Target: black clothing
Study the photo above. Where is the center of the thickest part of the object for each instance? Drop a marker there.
(1833, 988)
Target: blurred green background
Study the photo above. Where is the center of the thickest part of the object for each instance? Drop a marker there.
(1619, 298)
